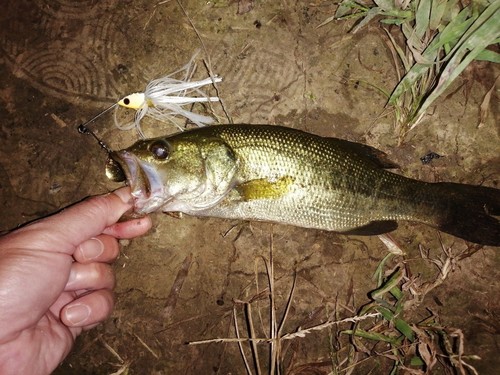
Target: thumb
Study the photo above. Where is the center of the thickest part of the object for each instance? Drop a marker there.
(64, 231)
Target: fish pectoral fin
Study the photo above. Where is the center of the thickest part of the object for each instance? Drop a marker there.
(373, 228)
(263, 188)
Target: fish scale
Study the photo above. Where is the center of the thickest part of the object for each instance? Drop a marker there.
(277, 174)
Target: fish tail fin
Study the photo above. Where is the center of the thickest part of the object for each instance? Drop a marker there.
(469, 213)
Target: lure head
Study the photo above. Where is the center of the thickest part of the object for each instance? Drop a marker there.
(133, 101)
(182, 173)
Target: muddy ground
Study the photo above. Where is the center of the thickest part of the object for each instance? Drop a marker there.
(64, 60)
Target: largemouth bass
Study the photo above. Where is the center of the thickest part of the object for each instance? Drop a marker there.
(283, 175)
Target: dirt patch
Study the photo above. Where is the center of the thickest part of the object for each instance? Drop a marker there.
(65, 60)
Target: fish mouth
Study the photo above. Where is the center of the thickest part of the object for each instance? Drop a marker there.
(144, 180)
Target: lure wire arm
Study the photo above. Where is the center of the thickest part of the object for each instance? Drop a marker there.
(99, 115)
(83, 129)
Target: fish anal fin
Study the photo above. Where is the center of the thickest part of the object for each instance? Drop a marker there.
(374, 228)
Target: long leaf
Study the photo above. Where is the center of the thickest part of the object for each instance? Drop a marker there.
(450, 34)
(390, 283)
(372, 13)
(399, 323)
(488, 55)
(485, 34)
(437, 13)
(488, 13)
(422, 18)
(387, 5)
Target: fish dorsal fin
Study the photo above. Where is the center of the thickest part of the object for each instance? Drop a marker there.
(377, 157)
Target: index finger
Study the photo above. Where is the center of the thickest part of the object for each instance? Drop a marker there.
(64, 231)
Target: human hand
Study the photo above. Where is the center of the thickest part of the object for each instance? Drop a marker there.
(55, 280)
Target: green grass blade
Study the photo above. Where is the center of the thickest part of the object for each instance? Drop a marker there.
(346, 8)
(378, 275)
(399, 51)
(391, 283)
(422, 18)
(387, 5)
(490, 56)
(393, 21)
(404, 328)
(399, 323)
(416, 361)
(452, 32)
(450, 35)
(490, 13)
(437, 13)
(371, 14)
(485, 34)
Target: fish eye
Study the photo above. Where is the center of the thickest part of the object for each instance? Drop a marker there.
(159, 149)
(126, 101)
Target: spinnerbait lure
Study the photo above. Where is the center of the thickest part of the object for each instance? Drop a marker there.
(164, 99)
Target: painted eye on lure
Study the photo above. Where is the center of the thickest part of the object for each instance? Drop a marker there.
(159, 149)
(133, 101)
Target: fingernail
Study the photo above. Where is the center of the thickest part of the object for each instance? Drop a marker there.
(124, 195)
(91, 248)
(77, 314)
